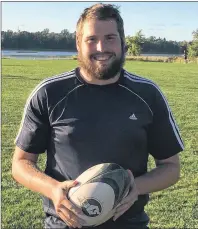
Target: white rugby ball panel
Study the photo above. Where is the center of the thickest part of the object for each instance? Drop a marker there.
(119, 180)
(94, 203)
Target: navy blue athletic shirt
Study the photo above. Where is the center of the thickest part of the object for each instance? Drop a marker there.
(79, 125)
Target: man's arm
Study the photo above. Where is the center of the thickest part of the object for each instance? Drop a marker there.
(166, 173)
(26, 172)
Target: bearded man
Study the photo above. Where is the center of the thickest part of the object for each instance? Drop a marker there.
(97, 113)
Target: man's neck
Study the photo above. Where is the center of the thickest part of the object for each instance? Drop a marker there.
(87, 78)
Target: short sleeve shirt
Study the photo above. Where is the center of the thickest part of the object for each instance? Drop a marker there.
(80, 125)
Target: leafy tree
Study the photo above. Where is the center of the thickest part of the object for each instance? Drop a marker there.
(193, 47)
(195, 34)
(134, 43)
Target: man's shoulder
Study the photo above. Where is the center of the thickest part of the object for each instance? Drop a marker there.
(55, 87)
(140, 83)
(56, 81)
(143, 87)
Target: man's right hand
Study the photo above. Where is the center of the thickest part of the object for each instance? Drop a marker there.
(67, 211)
(26, 172)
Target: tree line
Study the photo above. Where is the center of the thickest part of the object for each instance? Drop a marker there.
(44, 40)
(137, 44)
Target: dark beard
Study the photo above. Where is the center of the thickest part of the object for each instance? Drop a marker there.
(107, 73)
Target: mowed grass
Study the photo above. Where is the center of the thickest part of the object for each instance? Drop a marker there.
(175, 207)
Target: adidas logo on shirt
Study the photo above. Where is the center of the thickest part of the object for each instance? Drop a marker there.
(133, 117)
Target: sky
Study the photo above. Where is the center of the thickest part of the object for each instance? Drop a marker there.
(171, 20)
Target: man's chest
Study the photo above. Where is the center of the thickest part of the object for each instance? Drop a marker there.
(96, 114)
(102, 127)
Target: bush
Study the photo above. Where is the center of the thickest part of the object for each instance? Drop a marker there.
(150, 58)
(74, 57)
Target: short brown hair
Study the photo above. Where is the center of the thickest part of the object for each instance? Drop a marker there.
(102, 12)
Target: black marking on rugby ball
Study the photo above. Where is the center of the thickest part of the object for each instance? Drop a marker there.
(91, 207)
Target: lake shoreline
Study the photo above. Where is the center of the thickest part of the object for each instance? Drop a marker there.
(57, 55)
(74, 51)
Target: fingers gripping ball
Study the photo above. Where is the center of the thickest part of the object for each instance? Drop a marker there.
(100, 190)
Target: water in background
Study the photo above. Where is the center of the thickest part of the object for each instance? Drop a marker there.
(28, 54)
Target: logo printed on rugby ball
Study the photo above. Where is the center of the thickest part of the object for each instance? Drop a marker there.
(91, 207)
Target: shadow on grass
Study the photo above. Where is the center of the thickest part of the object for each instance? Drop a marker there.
(19, 77)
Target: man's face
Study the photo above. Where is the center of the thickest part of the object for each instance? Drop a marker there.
(99, 50)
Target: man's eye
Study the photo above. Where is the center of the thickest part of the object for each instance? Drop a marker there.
(91, 40)
(110, 38)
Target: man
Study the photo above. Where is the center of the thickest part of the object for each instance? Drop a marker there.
(185, 55)
(97, 113)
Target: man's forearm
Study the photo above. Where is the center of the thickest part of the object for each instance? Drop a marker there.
(163, 176)
(28, 174)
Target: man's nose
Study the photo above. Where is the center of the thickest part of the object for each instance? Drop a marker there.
(101, 46)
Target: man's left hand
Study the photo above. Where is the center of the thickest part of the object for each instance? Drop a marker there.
(129, 200)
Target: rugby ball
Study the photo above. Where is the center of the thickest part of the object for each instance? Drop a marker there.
(100, 190)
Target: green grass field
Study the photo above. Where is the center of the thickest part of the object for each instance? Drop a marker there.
(175, 207)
